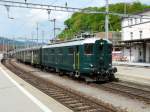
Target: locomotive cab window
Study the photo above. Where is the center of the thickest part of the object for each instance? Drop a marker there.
(110, 47)
(60, 51)
(70, 50)
(101, 46)
(88, 48)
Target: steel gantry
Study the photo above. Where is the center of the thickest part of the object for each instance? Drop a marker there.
(64, 9)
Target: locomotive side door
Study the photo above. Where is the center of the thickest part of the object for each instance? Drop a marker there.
(76, 65)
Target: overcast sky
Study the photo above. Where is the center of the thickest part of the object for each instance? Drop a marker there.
(25, 20)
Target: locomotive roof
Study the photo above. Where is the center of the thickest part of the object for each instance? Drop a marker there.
(74, 42)
(66, 43)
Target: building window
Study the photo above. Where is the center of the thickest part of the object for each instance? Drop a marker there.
(131, 34)
(128, 22)
(141, 34)
(131, 20)
(141, 20)
(135, 20)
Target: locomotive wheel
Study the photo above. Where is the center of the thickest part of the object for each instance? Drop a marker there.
(61, 73)
(112, 78)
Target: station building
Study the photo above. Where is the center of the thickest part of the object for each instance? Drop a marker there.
(135, 43)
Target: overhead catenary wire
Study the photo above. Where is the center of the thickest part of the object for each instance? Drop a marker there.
(64, 9)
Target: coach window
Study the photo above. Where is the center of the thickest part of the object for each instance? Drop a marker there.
(52, 51)
(70, 49)
(88, 48)
(59, 50)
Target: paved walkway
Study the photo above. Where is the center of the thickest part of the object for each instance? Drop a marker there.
(13, 98)
(16, 95)
(134, 74)
(117, 63)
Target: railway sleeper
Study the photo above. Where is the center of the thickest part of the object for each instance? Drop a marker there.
(62, 97)
(57, 95)
(68, 100)
(81, 108)
(93, 110)
(56, 92)
(76, 104)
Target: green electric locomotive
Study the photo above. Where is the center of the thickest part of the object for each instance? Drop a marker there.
(89, 58)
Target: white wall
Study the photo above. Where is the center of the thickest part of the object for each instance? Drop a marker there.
(135, 25)
(131, 28)
(148, 53)
(1, 56)
(135, 56)
(145, 28)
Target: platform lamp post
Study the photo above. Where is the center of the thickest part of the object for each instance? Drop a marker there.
(3, 46)
(32, 37)
(7, 47)
(37, 29)
(14, 42)
(43, 35)
(54, 21)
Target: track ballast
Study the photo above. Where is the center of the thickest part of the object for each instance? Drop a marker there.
(71, 99)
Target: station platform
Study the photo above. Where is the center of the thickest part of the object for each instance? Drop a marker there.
(134, 74)
(119, 63)
(16, 95)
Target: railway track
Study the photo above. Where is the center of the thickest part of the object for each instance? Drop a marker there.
(132, 91)
(71, 99)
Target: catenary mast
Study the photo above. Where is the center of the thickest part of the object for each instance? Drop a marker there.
(107, 20)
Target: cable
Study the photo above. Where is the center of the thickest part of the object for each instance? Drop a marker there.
(64, 9)
(53, 2)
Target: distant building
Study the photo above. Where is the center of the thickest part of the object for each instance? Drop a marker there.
(136, 37)
(114, 37)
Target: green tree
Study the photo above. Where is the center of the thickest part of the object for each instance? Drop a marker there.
(95, 22)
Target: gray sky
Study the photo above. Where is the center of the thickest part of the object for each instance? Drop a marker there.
(25, 20)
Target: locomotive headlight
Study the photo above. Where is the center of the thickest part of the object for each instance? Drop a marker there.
(91, 66)
(101, 43)
(110, 64)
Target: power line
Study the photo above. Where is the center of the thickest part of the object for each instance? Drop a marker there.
(65, 9)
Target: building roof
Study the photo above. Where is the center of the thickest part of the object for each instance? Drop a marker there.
(136, 40)
(139, 13)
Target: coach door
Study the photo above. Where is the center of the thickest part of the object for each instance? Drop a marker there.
(32, 54)
(76, 58)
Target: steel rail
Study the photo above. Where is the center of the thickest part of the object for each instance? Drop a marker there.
(126, 90)
(70, 98)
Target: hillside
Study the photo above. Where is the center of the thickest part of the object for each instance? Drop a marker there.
(11, 42)
(95, 22)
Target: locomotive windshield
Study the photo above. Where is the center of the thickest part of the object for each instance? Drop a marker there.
(101, 46)
(88, 48)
